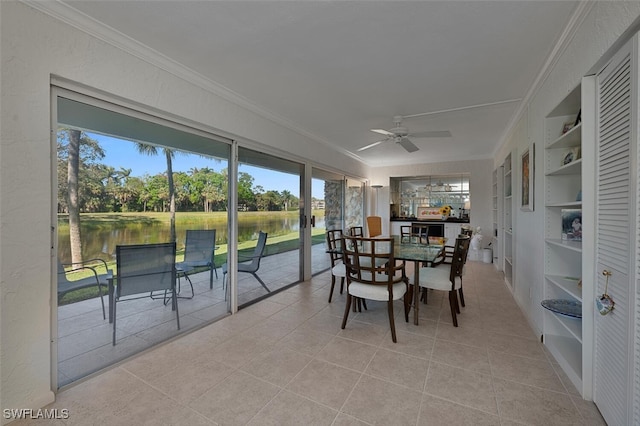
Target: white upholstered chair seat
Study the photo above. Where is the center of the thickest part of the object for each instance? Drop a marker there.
(377, 292)
(339, 270)
(441, 278)
(438, 279)
(373, 273)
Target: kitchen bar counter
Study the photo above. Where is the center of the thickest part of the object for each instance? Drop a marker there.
(448, 220)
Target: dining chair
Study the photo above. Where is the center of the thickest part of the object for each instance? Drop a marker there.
(143, 269)
(338, 269)
(415, 233)
(374, 226)
(447, 252)
(94, 278)
(448, 279)
(356, 231)
(373, 274)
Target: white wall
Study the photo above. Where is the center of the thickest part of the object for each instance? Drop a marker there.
(34, 47)
(480, 188)
(604, 23)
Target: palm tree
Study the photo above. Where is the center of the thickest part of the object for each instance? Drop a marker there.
(152, 150)
(287, 197)
(73, 202)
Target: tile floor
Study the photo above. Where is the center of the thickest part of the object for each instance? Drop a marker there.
(285, 361)
(84, 337)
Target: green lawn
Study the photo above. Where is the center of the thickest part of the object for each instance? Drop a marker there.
(275, 245)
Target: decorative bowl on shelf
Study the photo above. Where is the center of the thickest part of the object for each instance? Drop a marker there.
(568, 308)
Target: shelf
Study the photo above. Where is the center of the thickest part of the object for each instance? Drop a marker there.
(570, 245)
(568, 353)
(563, 258)
(567, 284)
(572, 325)
(572, 168)
(567, 205)
(570, 139)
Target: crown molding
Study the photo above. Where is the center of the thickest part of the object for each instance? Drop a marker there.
(81, 21)
(577, 18)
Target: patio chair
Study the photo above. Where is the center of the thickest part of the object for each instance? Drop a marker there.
(254, 265)
(198, 253)
(143, 269)
(94, 279)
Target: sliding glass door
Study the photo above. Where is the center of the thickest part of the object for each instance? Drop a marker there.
(127, 178)
(337, 203)
(268, 203)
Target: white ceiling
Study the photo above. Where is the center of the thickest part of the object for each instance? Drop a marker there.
(336, 69)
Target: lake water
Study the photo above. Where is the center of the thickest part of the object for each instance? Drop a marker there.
(100, 240)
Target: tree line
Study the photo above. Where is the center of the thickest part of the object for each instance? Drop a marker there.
(103, 188)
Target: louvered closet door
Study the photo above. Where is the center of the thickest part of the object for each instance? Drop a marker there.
(615, 223)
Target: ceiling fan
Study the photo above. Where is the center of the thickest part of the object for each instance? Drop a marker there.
(400, 135)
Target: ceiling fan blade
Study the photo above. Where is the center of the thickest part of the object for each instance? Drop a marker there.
(371, 145)
(432, 134)
(382, 132)
(408, 145)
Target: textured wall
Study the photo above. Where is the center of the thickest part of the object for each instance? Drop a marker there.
(601, 28)
(34, 48)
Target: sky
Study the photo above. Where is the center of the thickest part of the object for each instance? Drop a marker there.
(123, 154)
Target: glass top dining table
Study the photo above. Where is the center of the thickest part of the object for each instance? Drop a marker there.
(409, 250)
(417, 253)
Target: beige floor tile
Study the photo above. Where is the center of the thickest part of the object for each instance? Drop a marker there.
(191, 378)
(285, 360)
(235, 400)
(277, 366)
(410, 344)
(323, 321)
(279, 412)
(465, 334)
(439, 412)
(464, 387)
(325, 383)
(306, 341)
(379, 402)
(347, 353)
(462, 356)
(532, 405)
(399, 368)
(527, 347)
(425, 327)
(589, 412)
(525, 370)
(346, 420)
(240, 350)
(371, 334)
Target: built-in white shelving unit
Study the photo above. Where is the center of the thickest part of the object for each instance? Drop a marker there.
(563, 335)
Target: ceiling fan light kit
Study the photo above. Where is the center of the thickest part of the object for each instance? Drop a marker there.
(400, 135)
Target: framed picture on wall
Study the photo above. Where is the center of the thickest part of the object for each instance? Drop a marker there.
(527, 175)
